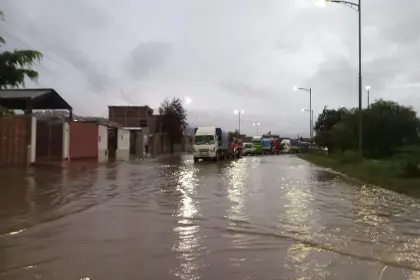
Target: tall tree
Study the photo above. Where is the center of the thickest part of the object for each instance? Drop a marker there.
(234, 133)
(174, 120)
(326, 121)
(387, 126)
(16, 65)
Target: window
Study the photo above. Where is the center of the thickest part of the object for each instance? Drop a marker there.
(204, 139)
(143, 123)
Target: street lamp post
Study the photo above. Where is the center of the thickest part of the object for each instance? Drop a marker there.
(310, 108)
(257, 125)
(368, 92)
(357, 7)
(311, 118)
(239, 113)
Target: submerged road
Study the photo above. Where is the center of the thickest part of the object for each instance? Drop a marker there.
(273, 217)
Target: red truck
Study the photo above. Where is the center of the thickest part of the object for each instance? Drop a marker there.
(274, 146)
(235, 147)
(275, 142)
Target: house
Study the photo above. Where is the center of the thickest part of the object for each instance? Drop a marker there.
(98, 139)
(141, 117)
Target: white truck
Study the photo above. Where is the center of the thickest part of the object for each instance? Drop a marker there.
(210, 143)
(286, 143)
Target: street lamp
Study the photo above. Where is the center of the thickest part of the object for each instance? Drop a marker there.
(188, 100)
(310, 107)
(311, 117)
(358, 8)
(368, 92)
(257, 125)
(239, 113)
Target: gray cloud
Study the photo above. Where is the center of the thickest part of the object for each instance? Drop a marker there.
(242, 90)
(225, 55)
(146, 58)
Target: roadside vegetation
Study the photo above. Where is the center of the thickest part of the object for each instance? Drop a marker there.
(391, 145)
(15, 67)
(174, 120)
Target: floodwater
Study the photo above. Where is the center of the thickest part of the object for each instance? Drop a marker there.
(273, 217)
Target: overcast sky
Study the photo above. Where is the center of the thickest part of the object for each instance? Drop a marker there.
(223, 54)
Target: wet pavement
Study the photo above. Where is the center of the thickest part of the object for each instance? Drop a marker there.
(273, 217)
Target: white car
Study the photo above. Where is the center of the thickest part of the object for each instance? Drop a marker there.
(249, 149)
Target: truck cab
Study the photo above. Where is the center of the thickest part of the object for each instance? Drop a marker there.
(257, 144)
(273, 146)
(285, 143)
(210, 143)
(266, 146)
(275, 142)
(235, 147)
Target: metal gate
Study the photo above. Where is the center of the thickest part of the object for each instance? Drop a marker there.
(49, 139)
(14, 140)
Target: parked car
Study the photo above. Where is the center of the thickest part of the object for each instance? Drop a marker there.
(249, 149)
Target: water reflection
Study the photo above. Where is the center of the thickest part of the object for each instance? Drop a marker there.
(189, 243)
(372, 223)
(253, 218)
(237, 175)
(237, 218)
(297, 221)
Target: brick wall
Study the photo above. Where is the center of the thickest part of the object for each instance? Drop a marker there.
(130, 116)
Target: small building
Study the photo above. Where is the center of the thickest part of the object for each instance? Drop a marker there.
(131, 116)
(98, 139)
(141, 118)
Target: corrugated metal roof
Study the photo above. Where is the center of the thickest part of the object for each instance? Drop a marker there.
(23, 93)
(40, 99)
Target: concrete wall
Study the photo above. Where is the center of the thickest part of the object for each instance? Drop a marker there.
(123, 151)
(102, 143)
(66, 140)
(160, 145)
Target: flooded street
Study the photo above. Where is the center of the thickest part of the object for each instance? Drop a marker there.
(273, 217)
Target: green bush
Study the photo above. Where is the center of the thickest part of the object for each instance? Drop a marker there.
(388, 128)
(410, 170)
(350, 157)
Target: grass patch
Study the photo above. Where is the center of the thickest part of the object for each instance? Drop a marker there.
(399, 173)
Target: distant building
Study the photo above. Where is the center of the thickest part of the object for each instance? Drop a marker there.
(133, 117)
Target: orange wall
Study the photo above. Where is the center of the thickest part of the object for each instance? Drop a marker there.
(83, 140)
